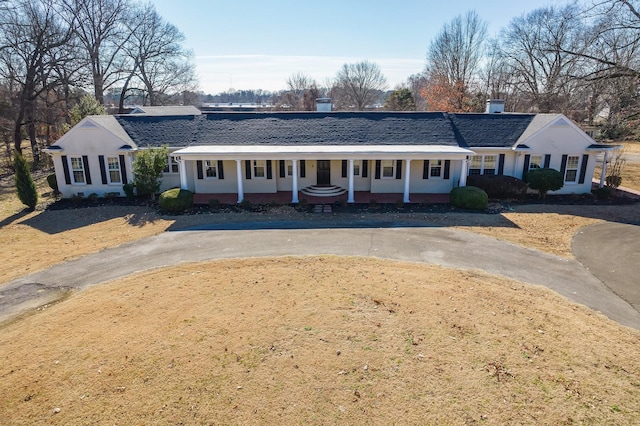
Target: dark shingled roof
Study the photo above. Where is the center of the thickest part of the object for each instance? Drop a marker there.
(489, 130)
(292, 128)
(156, 131)
(327, 128)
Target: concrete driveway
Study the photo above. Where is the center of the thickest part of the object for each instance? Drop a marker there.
(442, 246)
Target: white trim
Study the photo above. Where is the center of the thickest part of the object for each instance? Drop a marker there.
(432, 166)
(109, 170)
(393, 169)
(407, 180)
(294, 190)
(213, 165)
(577, 169)
(72, 170)
(350, 173)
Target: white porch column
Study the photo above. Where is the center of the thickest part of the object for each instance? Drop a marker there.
(407, 181)
(182, 166)
(239, 175)
(350, 198)
(294, 197)
(463, 172)
(603, 176)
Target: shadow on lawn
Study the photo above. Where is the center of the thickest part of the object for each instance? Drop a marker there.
(56, 220)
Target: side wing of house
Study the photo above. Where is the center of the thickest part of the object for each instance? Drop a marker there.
(554, 141)
(94, 157)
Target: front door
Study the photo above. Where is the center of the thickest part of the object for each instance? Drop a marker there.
(324, 172)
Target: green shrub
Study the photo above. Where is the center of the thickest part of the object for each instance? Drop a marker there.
(499, 186)
(469, 197)
(603, 193)
(25, 187)
(52, 181)
(129, 190)
(175, 200)
(544, 180)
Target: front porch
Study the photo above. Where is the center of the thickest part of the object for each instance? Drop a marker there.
(284, 197)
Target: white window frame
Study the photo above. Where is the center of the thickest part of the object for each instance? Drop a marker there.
(483, 164)
(116, 169)
(436, 166)
(172, 164)
(567, 169)
(288, 166)
(255, 166)
(80, 170)
(211, 169)
(533, 164)
(392, 168)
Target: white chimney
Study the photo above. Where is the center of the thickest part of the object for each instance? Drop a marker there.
(495, 106)
(323, 104)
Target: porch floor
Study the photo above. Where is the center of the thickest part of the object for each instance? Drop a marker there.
(284, 197)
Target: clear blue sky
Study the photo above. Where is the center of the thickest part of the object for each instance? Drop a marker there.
(254, 44)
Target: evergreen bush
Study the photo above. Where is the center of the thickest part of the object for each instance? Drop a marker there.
(469, 197)
(175, 200)
(25, 187)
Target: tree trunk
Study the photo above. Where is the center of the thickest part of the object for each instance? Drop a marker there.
(98, 85)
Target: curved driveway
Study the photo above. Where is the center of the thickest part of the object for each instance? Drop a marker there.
(443, 246)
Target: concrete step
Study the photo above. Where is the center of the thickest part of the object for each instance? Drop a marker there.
(323, 191)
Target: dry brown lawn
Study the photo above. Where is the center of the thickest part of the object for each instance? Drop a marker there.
(318, 340)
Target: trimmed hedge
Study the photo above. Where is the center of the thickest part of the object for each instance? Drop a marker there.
(469, 197)
(175, 200)
(499, 186)
(52, 181)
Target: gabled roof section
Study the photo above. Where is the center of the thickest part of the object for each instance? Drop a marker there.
(539, 122)
(166, 110)
(157, 131)
(318, 128)
(490, 130)
(96, 122)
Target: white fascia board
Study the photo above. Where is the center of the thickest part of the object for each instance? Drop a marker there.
(322, 152)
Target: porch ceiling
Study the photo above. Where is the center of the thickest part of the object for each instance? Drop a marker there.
(328, 152)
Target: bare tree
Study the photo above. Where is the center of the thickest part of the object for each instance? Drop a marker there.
(533, 45)
(454, 57)
(36, 43)
(101, 31)
(158, 62)
(359, 84)
(303, 90)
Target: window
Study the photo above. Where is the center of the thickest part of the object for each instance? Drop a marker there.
(489, 166)
(388, 169)
(435, 168)
(482, 165)
(289, 168)
(259, 167)
(172, 165)
(356, 167)
(535, 162)
(211, 169)
(113, 165)
(77, 167)
(571, 172)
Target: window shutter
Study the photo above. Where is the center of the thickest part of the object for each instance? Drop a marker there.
(425, 169)
(399, 169)
(447, 168)
(547, 160)
(199, 166)
(378, 167)
(65, 168)
(501, 164)
(123, 170)
(220, 169)
(365, 168)
(583, 168)
(247, 169)
(525, 166)
(85, 161)
(283, 172)
(103, 169)
(303, 168)
(269, 170)
(344, 168)
(563, 165)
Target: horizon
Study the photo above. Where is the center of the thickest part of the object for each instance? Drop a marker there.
(252, 45)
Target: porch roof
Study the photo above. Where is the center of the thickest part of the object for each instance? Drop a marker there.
(329, 152)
